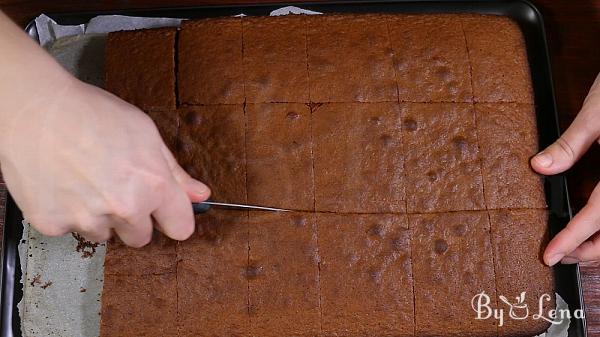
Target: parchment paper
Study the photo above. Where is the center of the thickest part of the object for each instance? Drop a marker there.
(62, 277)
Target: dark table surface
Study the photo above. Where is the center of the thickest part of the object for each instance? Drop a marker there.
(573, 29)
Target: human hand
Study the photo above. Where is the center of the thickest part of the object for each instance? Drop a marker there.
(86, 161)
(571, 245)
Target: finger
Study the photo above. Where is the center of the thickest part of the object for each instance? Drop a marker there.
(196, 190)
(579, 229)
(578, 138)
(174, 216)
(135, 232)
(587, 251)
(48, 227)
(97, 229)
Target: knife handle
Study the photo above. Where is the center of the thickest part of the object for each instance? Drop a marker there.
(200, 207)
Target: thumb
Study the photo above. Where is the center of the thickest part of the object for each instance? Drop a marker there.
(196, 190)
(576, 140)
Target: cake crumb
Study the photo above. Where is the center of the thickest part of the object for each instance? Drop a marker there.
(36, 280)
(86, 248)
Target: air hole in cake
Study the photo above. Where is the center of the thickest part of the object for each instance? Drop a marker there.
(410, 124)
(299, 221)
(292, 115)
(401, 65)
(397, 244)
(459, 230)
(389, 52)
(376, 230)
(453, 87)
(432, 176)
(353, 258)
(443, 73)
(387, 140)
(430, 227)
(440, 246)
(376, 120)
(193, 118)
(461, 145)
(375, 275)
(254, 271)
(294, 145)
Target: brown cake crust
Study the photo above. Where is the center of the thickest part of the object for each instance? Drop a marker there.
(167, 122)
(498, 57)
(135, 307)
(283, 275)
(279, 151)
(430, 58)
(210, 62)
(452, 262)
(350, 59)
(443, 169)
(212, 289)
(519, 238)
(140, 67)
(358, 158)
(329, 273)
(508, 136)
(275, 64)
(366, 277)
(158, 257)
(211, 148)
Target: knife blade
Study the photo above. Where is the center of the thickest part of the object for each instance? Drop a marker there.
(202, 207)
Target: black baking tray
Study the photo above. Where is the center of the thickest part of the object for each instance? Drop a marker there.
(528, 17)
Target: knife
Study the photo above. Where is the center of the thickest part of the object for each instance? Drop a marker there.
(203, 207)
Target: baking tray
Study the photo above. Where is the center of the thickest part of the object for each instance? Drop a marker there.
(528, 17)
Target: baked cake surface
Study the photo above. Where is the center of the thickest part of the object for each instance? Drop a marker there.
(401, 145)
(145, 60)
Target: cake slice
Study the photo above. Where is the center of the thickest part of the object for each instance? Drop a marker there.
(518, 241)
(134, 306)
(358, 158)
(210, 67)
(140, 67)
(430, 58)
(211, 148)
(275, 64)
(283, 278)
(279, 155)
(452, 262)
(443, 169)
(212, 288)
(350, 59)
(366, 275)
(508, 136)
(498, 57)
(158, 257)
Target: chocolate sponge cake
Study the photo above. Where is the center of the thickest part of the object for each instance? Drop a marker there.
(140, 67)
(400, 145)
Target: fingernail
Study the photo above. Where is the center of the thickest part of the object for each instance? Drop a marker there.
(544, 159)
(199, 188)
(554, 259)
(569, 260)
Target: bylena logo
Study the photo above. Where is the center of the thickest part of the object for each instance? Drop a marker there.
(518, 309)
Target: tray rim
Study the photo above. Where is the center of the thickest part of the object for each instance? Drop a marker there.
(31, 30)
